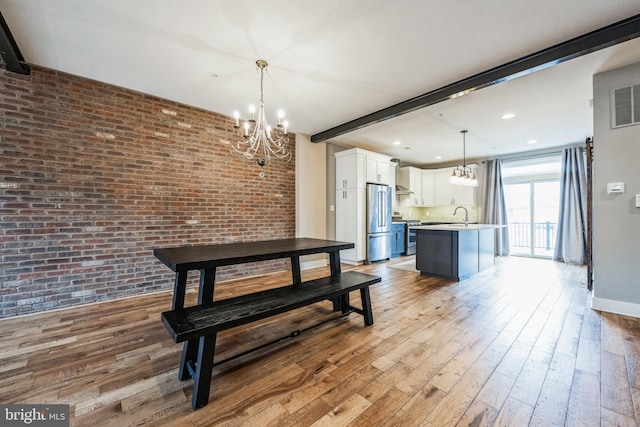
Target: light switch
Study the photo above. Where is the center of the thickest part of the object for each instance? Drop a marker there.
(637, 200)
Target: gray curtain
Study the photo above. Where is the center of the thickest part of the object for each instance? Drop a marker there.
(494, 210)
(571, 246)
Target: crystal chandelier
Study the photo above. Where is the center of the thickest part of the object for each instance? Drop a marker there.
(463, 175)
(258, 140)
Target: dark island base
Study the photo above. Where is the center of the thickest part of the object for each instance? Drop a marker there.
(455, 254)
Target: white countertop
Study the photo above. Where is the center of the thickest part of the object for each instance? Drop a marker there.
(458, 227)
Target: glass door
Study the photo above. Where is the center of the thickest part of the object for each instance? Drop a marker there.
(518, 200)
(532, 213)
(545, 217)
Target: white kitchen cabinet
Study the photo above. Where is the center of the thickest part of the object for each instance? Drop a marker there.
(447, 194)
(465, 195)
(392, 181)
(411, 178)
(350, 170)
(377, 170)
(428, 188)
(350, 224)
(354, 168)
(443, 189)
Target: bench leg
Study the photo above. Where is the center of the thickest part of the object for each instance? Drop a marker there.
(189, 355)
(204, 367)
(366, 306)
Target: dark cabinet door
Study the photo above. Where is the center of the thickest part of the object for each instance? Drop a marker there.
(397, 231)
(435, 252)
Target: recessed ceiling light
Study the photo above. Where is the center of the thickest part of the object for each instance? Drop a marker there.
(532, 141)
(438, 157)
(396, 142)
(508, 116)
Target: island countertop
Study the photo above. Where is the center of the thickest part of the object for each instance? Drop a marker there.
(458, 227)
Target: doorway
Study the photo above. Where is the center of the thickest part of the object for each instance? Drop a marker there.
(532, 198)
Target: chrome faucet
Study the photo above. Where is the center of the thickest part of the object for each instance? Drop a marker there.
(466, 215)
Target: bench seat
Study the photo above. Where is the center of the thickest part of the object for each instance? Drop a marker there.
(198, 326)
(193, 322)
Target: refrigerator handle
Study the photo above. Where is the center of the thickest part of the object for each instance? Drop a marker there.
(383, 209)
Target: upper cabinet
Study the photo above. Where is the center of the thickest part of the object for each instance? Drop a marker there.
(350, 170)
(392, 181)
(447, 194)
(377, 169)
(410, 178)
(356, 167)
(428, 188)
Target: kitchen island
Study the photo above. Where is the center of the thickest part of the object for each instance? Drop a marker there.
(455, 251)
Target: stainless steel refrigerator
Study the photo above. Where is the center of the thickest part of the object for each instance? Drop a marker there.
(378, 222)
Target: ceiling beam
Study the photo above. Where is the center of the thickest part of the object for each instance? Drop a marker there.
(610, 35)
(10, 56)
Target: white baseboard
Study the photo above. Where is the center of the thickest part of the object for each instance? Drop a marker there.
(616, 307)
(313, 264)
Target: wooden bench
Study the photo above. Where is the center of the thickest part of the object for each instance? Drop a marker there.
(198, 325)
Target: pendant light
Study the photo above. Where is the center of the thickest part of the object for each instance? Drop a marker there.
(463, 174)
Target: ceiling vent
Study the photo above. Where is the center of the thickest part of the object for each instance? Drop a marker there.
(10, 57)
(626, 106)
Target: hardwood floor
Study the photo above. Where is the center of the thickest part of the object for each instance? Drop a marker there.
(515, 345)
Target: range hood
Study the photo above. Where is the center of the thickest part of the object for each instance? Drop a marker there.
(402, 190)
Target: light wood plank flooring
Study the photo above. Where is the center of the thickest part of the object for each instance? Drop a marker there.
(515, 345)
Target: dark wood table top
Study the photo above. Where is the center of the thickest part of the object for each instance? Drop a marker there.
(208, 256)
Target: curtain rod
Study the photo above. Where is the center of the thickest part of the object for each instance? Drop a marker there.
(537, 153)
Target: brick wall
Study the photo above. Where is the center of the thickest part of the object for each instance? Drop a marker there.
(93, 177)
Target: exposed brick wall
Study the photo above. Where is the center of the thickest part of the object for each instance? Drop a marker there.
(93, 177)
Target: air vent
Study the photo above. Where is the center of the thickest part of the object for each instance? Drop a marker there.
(626, 106)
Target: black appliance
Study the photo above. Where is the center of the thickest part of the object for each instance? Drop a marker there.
(411, 237)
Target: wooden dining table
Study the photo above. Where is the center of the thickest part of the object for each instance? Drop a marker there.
(198, 351)
(207, 258)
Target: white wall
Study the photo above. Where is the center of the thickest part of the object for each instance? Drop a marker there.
(616, 220)
(311, 201)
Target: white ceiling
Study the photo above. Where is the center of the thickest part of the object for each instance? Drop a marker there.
(333, 61)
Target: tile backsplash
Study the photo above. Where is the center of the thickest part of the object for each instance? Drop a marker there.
(435, 213)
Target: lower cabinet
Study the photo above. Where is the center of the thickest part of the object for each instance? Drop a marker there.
(397, 239)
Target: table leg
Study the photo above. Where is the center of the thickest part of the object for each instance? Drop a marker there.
(344, 303)
(207, 282)
(179, 289)
(190, 348)
(334, 262)
(295, 270)
(334, 265)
